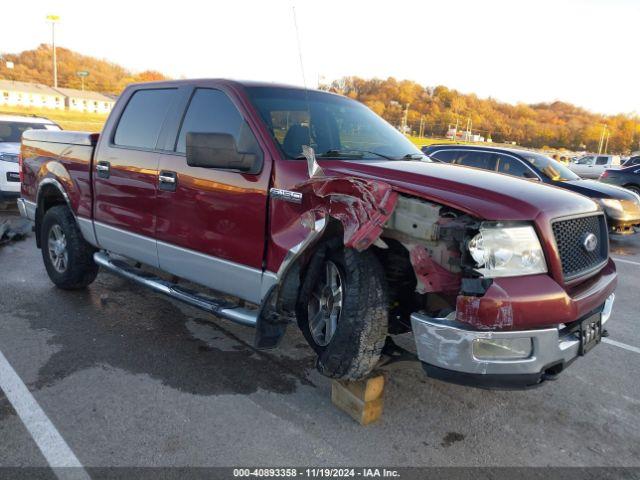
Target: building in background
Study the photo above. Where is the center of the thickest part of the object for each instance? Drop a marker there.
(24, 94)
(86, 101)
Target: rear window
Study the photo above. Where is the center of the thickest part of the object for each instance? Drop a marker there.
(141, 121)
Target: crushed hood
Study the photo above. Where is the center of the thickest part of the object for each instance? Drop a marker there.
(486, 195)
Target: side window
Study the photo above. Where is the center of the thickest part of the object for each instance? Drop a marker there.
(212, 111)
(602, 160)
(512, 166)
(141, 121)
(588, 160)
(484, 160)
(447, 156)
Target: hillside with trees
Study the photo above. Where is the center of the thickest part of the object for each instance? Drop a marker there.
(36, 66)
(555, 125)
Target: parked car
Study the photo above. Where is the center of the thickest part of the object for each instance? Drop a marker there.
(632, 161)
(11, 128)
(621, 207)
(306, 206)
(627, 177)
(592, 166)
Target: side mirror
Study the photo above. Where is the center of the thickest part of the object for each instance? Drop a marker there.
(217, 150)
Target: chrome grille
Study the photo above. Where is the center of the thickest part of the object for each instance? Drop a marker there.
(570, 237)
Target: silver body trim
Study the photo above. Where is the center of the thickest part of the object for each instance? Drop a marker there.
(232, 278)
(87, 230)
(237, 314)
(57, 184)
(444, 345)
(286, 195)
(131, 245)
(27, 209)
(216, 273)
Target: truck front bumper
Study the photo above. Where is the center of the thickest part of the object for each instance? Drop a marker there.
(446, 350)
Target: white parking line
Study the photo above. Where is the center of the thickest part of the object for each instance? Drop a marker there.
(621, 345)
(622, 260)
(49, 441)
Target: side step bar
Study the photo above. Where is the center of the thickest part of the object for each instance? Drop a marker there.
(220, 308)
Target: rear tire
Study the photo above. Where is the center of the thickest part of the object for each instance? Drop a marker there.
(67, 256)
(355, 327)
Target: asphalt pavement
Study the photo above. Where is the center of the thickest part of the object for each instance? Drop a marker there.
(122, 376)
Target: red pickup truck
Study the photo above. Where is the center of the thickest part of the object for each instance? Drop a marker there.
(290, 205)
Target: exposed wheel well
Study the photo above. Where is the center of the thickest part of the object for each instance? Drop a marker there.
(48, 196)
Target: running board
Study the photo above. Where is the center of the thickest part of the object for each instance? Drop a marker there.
(220, 308)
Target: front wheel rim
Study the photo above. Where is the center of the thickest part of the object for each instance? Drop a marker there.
(325, 304)
(57, 246)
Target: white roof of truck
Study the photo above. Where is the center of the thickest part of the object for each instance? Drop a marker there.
(24, 119)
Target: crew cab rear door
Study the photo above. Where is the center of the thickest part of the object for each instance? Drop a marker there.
(125, 176)
(212, 222)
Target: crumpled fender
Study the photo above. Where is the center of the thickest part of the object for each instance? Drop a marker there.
(361, 206)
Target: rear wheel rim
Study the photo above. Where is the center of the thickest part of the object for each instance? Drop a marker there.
(57, 246)
(325, 304)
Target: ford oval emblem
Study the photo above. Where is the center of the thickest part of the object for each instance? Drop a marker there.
(590, 242)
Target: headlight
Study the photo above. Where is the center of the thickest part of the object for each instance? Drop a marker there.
(502, 349)
(612, 204)
(507, 251)
(9, 157)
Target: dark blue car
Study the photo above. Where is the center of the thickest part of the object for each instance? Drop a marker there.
(621, 206)
(627, 177)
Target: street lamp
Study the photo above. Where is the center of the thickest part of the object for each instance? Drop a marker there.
(54, 19)
(82, 74)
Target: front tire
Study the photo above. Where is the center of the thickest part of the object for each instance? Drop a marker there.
(67, 256)
(342, 310)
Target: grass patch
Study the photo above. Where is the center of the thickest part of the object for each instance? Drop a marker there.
(425, 141)
(89, 122)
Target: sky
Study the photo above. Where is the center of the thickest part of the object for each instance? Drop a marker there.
(586, 52)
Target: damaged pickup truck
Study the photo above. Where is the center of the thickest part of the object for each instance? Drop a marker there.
(287, 205)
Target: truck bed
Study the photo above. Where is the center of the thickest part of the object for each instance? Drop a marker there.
(59, 157)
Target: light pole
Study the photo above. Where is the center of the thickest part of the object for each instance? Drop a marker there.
(82, 74)
(54, 19)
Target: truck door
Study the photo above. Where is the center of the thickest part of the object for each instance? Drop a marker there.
(125, 176)
(211, 222)
(583, 165)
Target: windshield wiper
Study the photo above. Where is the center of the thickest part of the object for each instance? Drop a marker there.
(351, 153)
(414, 156)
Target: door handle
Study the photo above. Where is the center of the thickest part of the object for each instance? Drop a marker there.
(104, 169)
(167, 181)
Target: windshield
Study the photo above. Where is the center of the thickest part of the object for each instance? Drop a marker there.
(335, 126)
(550, 167)
(11, 132)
